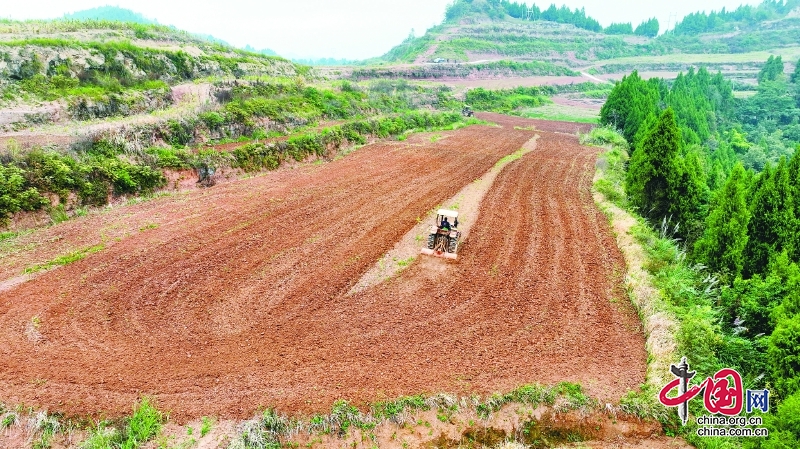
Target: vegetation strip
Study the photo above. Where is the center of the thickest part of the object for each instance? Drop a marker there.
(719, 226)
(65, 259)
(121, 164)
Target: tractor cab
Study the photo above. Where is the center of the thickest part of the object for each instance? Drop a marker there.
(443, 236)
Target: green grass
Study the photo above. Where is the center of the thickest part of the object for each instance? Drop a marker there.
(206, 424)
(562, 113)
(510, 158)
(8, 235)
(788, 53)
(65, 259)
(138, 429)
(405, 262)
(272, 429)
(744, 93)
(58, 214)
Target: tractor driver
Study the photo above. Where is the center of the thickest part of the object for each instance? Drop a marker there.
(445, 224)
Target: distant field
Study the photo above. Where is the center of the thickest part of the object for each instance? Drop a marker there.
(788, 54)
(744, 93)
(511, 82)
(563, 112)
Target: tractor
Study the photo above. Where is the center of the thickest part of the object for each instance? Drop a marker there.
(444, 236)
(466, 111)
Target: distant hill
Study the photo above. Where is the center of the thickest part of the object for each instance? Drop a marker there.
(117, 14)
(110, 13)
(111, 50)
(492, 30)
(745, 16)
(263, 51)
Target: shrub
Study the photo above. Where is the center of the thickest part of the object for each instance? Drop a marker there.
(175, 158)
(784, 355)
(124, 177)
(140, 428)
(256, 156)
(212, 120)
(49, 171)
(16, 194)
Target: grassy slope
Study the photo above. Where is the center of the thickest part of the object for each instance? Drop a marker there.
(94, 50)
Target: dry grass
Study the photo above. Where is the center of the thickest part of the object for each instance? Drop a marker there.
(659, 324)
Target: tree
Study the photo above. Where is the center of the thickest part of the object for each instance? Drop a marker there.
(619, 28)
(771, 70)
(771, 227)
(690, 198)
(796, 75)
(725, 237)
(784, 356)
(656, 170)
(648, 28)
(794, 190)
(629, 105)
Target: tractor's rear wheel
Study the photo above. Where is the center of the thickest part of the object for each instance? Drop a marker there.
(453, 246)
(431, 241)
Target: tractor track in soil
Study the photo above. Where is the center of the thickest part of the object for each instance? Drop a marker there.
(237, 299)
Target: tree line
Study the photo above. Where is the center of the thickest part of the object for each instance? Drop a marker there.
(499, 9)
(691, 174)
(744, 15)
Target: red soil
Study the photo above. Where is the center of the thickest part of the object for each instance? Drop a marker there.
(236, 300)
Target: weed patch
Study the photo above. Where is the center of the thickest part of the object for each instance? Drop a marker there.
(138, 429)
(65, 259)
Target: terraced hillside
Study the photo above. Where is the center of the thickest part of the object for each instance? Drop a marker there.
(736, 43)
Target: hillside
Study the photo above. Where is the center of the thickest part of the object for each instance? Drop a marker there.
(117, 14)
(128, 52)
(481, 30)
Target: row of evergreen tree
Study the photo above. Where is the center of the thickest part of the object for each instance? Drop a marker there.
(744, 15)
(498, 9)
(578, 18)
(688, 169)
(694, 23)
(647, 28)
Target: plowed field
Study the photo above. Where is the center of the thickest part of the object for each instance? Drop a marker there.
(236, 298)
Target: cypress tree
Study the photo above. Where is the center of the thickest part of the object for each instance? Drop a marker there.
(784, 356)
(793, 170)
(690, 197)
(629, 104)
(725, 237)
(771, 228)
(656, 170)
(772, 70)
(796, 74)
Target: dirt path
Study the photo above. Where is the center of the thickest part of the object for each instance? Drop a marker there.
(236, 298)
